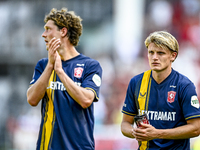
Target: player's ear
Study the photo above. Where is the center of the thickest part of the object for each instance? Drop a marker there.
(173, 56)
(63, 31)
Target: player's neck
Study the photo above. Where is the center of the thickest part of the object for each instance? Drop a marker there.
(68, 51)
(68, 54)
(160, 76)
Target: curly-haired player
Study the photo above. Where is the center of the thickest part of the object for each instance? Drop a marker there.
(167, 97)
(68, 83)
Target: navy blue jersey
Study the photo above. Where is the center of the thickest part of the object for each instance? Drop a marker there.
(170, 104)
(65, 125)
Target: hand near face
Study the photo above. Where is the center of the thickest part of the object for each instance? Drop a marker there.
(145, 133)
(58, 63)
(53, 46)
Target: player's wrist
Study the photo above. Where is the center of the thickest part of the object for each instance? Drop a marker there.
(50, 65)
(59, 71)
(159, 134)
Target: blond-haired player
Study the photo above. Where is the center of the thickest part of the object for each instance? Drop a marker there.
(168, 98)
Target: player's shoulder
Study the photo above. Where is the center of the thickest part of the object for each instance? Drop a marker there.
(42, 62)
(180, 78)
(88, 60)
(137, 78)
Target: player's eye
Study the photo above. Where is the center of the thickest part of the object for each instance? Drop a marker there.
(47, 29)
(151, 52)
(160, 53)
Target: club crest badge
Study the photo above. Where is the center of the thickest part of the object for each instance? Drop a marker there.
(171, 96)
(78, 72)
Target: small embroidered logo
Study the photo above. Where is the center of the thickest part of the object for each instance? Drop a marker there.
(78, 72)
(142, 95)
(171, 96)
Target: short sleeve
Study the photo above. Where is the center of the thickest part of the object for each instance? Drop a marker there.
(189, 102)
(129, 106)
(39, 68)
(93, 77)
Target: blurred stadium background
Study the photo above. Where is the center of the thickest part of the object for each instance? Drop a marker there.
(113, 33)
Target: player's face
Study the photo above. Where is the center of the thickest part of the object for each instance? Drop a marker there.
(51, 30)
(160, 59)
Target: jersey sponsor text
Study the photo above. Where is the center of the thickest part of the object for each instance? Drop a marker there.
(59, 85)
(159, 115)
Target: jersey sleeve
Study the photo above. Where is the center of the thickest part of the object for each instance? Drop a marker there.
(92, 78)
(189, 102)
(39, 68)
(129, 106)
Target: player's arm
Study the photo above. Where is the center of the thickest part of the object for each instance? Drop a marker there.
(37, 91)
(126, 126)
(191, 129)
(81, 95)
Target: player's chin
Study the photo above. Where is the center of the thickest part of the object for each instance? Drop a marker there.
(47, 48)
(157, 69)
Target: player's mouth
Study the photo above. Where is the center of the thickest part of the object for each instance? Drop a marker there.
(46, 42)
(155, 64)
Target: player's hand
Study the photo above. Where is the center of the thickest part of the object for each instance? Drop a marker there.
(58, 63)
(146, 133)
(53, 46)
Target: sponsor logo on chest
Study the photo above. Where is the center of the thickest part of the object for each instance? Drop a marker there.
(159, 115)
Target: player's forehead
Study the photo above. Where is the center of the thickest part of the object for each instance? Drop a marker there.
(49, 24)
(154, 47)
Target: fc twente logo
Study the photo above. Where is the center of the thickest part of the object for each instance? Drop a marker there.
(171, 96)
(78, 72)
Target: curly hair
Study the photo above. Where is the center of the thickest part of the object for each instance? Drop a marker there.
(163, 39)
(64, 18)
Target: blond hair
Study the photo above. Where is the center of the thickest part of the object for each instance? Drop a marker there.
(64, 18)
(163, 39)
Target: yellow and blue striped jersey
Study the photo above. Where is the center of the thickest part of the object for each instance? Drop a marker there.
(167, 105)
(65, 125)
